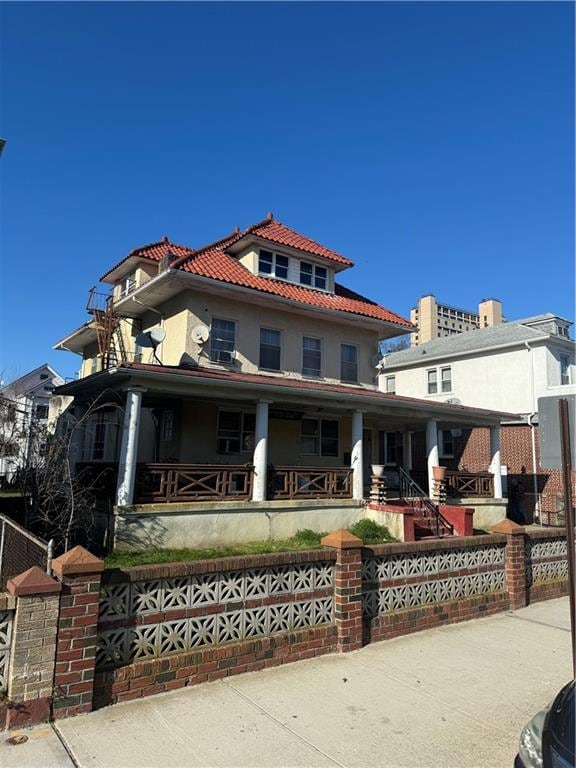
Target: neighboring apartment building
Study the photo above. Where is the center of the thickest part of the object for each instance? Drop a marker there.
(506, 367)
(245, 360)
(24, 405)
(434, 320)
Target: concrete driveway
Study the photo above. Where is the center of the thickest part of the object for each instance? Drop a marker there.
(454, 696)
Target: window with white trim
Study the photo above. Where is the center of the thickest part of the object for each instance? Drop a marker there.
(439, 380)
(319, 437)
(391, 385)
(128, 284)
(273, 264)
(235, 432)
(432, 377)
(222, 341)
(446, 379)
(313, 275)
(564, 369)
(349, 363)
(311, 357)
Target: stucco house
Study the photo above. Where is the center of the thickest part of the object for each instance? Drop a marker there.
(507, 367)
(24, 408)
(246, 376)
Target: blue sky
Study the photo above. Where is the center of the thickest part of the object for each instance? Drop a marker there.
(432, 143)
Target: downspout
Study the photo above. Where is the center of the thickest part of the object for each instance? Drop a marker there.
(529, 420)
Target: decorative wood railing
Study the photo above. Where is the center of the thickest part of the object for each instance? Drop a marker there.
(193, 482)
(466, 484)
(309, 483)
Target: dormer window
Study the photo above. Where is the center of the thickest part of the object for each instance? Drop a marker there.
(128, 284)
(273, 264)
(313, 275)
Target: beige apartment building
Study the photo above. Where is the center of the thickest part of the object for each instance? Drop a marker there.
(435, 320)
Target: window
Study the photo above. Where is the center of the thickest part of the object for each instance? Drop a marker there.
(446, 440)
(222, 340)
(319, 437)
(43, 376)
(446, 379)
(273, 264)
(349, 363)
(235, 432)
(432, 381)
(564, 370)
(167, 426)
(41, 411)
(388, 447)
(391, 385)
(311, 357)
(99, 441)
(128, 284)
(313, 275)
(270, 349)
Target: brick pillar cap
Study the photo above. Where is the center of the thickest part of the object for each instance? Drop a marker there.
(341, 539)
(77, 561)
(507, 526)
(34, 581)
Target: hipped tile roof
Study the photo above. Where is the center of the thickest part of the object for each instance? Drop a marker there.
(214, 262)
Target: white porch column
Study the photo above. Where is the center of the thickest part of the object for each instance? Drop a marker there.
(357, 455)
(432, 451)
(407, 450)
(129, 447)
(495, 462)
(260, 451)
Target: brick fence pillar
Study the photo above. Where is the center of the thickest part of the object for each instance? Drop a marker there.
(33, 647)
(515, 562)
(348, 588)
(80, 573)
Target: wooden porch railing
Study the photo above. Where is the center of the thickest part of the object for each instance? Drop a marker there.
(309, 482)
(467, 484)
(164, 483)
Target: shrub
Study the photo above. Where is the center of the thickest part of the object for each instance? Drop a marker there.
(307, 537)
(370, 532)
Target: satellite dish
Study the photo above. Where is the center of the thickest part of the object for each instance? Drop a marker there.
(200, 334)
(453, 401)
(151, 338)
(157, 335)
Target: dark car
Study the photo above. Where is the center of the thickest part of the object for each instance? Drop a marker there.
(548, 739)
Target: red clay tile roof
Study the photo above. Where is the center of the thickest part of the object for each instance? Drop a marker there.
(212, 261)
(276, 232)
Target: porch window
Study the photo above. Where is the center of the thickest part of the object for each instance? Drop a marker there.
(391, 385)
(311, 357)
(349, 363)
(432, 381)
(446, 378)
(235, 432)
(319, 437)
(99, 442)
(270, 346)
(388, 447)
(446, 441)
(222, 341)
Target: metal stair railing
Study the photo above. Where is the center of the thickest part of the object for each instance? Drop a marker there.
(410, 490)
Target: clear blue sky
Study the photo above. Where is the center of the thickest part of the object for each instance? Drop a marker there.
(430, 143)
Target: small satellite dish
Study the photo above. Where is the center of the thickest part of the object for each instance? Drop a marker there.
(200, 334)
(453, 401)
(157, 335)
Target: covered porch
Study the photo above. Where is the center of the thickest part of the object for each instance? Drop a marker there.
(175, 436)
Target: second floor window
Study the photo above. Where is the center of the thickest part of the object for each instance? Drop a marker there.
(128, 284)
(391, 385)
(564, 370)
(349, 363)
(311, 357)
(273, 264)
(222, 341)
(270, 348)
(41, 412)
(313, 275)
(446, 379)
(432, 381)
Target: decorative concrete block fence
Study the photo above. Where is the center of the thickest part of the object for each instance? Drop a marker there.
(88, 637)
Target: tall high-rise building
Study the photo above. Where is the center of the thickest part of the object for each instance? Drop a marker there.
(435, 320)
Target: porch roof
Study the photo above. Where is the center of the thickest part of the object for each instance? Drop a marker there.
(213, 384)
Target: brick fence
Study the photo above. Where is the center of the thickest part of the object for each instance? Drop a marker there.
(89, 637)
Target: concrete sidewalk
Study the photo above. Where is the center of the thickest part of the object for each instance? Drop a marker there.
(454, 696)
